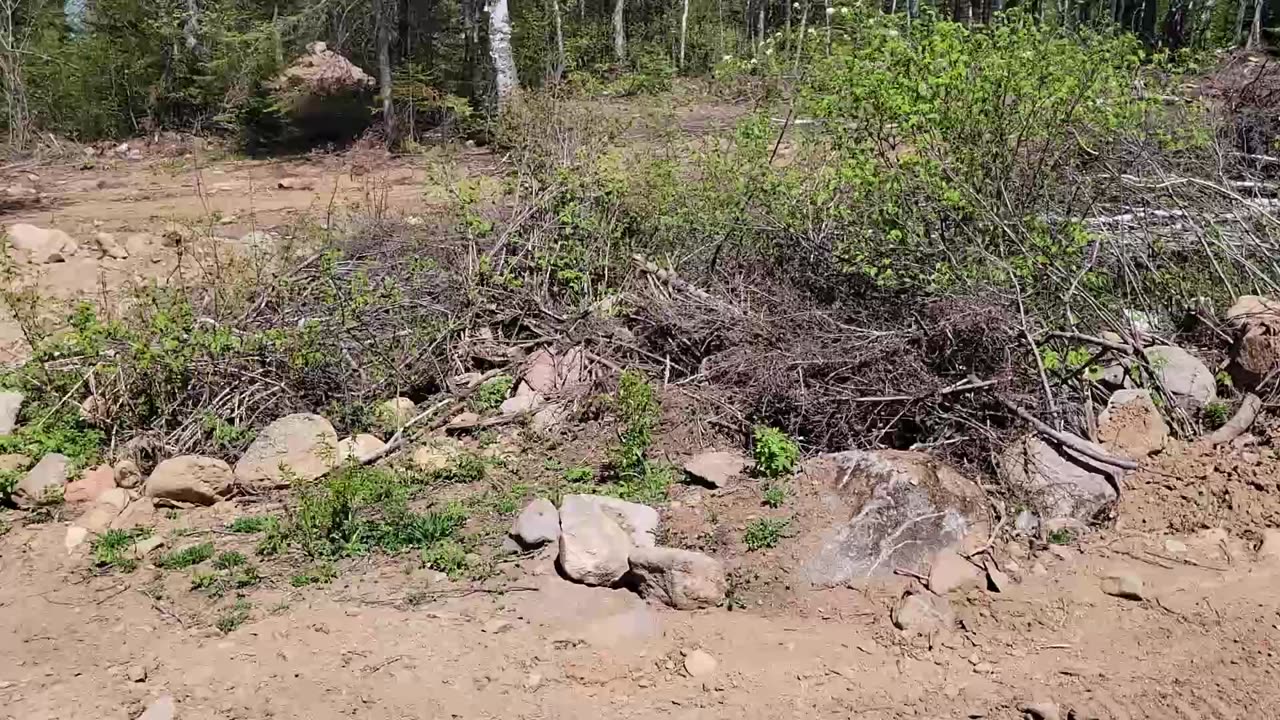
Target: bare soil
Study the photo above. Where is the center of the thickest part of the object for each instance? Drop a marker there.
(386, 639)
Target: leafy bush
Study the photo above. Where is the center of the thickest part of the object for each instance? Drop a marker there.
(114, 548)
(765, 533)
(491, 394)
(316, 575)
(775, 453)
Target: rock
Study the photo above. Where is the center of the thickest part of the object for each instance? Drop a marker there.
(921, 613)
(295, 447)
(537, 525)
(1041, 710)
(949, 571)
(141, 243)
(359, 447)
(682, 579)
(520, 403)
(109, 247)
(1061, 481)
(10, 406)
(1174, 546)
(136, 673)
(1131, 425)
(548, 418)
(75, 537)
(45, 480)
(323, 96)
(700, 664)
(162, 709)
(546, 374)
(902, 509)
(532, 681)
(639, 521)
(1123, 585)
(138, 513)
(104, 512)
(997, 580)
(1269, 550)
(144, 547)
(127, 474)
(394, 413)
(496, 626)
(1255, 349)
(93, 483)
(190, 479)
(436, 456)
(1188, 380)
(40, 246)
(715, 468)
(1250, 308)
(465, 420)
(593, 547)
(14, 462)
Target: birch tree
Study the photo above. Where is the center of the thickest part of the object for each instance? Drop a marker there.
(619, 31)
(1255, 30)
(684, 29)
(504, 64)
(558, 73)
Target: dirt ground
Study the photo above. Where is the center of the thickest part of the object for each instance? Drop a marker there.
(386, 640)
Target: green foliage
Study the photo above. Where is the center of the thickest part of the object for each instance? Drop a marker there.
(636, 404)
(186, 557)
(765, 533)
(253, 524)
(775, 495)
(1216, 414)
(446, 556)
(579, 474)
(319, 574)
(229, 560)
(491, 394)
(775, 453)
(114, 548)
(465, 467)
(1061, 536)
(234, 617)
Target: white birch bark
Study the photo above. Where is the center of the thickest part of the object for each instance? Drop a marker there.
(504, 63)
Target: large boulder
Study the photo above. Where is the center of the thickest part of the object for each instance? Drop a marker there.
(537, 525)
(40, 246)
(1189, 381)
(639, 521)
(394, 413)
(683, 579)
(1255, 349)
(320, 97)
(295, 447)
(1060, 481)
(190, 479)
(895, 509)
(1131, 424)
(44, 481)
(10, 406)
(593, 548)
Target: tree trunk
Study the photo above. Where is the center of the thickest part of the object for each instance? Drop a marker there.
(760, 23)
(684, 29)
(913, 9)
(619, 32)
(558, 74)
(828, 11)
(504, 64)
(191, 28)
(786, 17)
(1237, 37)
(382, 30)
(804, 21)
(1255, 30)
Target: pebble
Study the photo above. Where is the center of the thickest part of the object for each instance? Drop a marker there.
(495, 626)
(137, 673)
(1123, 585)
(984, 668)
(1042, 710)
(533, 681)
(699, 663)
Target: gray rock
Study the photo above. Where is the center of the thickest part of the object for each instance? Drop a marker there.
(700, 664)
(10, 406)
(1189, 381)
(949, 571)
(901, 509)
(104, 511)
(1269, 550)
(40, 246)
(593, 547)
(922, 613)
(395, 412)
(127, 474)
(110, 247)
(1064, 483)
(1131, 425)
(715, 468)
(682, 579)
(45, 480)
(162, 709)
(295, 447)
(640, 521)
(537, 525)
(190, 479)
(1123, 585)
(359, 447)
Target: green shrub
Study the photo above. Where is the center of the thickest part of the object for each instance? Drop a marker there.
(765, 533)
(253, 524)
(234, 617)
(775, 495)
(114, 548)
(229, 560)
(775, 453)
(316, 575)
(491, 394)
(446, 556)
(186, 557)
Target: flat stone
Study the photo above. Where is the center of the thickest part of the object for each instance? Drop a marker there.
(190, 479)
(162, 709)
(1063, 482)
(715, 468)
(298, 447)
(48, 477)
(39, 245)
(1123, 585)
(10, 406)
(537, 525)
(1041, 710)
(902, 509)
(682, 579)
(1188, 380)
(593, 548)
(359, 447)
(640, 521)
(923, 613)
(949, 571)
(700, 664)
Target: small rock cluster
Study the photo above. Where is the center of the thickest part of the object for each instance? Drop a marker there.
(608, 542)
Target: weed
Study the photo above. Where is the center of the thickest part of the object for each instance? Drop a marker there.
(446, 556)
(186, 557)
(229, 560)
(234, 617)
(8, 483)
(579, 474)
(206, 581)
(765, 533)
(254, 524)
(1216, 414)
(637, 406)
(114, 548)
(1061, 536)
(491, 394)
(315, 575)
(775, 453)
(465, 467)
(775, 495)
